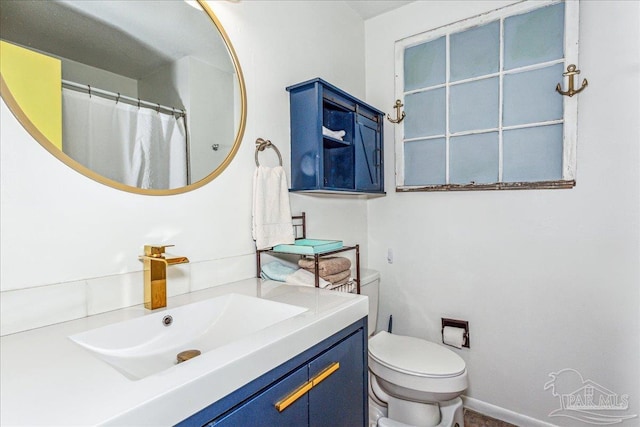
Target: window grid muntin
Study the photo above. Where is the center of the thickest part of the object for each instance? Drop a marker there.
(479, 131)
(501, 103)
(501, 73)
(447, 106)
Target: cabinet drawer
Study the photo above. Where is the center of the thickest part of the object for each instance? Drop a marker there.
(261, 411)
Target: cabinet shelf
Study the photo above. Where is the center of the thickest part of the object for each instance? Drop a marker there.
(330, 142)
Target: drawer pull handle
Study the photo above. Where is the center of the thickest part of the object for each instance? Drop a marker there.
(324, 374)
(297, 394)
(304, 388)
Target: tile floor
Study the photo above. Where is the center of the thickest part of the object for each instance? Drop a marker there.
(474, 419)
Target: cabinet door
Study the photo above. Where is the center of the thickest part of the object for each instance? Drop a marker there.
(368, 145)
(261, 409)
(340, 399)
(306, 138)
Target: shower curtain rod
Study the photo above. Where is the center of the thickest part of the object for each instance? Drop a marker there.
(127, 99)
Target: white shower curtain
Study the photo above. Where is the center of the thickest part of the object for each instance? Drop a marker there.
(135, 146)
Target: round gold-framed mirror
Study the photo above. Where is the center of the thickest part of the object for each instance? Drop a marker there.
(155, 61)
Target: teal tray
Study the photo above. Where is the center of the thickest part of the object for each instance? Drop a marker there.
(309, 246)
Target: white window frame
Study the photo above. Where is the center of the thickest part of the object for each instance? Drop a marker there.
(570, 104)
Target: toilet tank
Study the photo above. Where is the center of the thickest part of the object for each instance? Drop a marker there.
(369, 286)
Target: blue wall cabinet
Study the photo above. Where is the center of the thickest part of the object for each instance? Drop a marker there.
(336, 141)
(324, 386)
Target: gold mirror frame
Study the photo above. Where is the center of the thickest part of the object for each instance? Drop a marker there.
(24, 120)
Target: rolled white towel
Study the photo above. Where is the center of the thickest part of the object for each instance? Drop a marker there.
(276, 271)
(337, 134)
(305, 278)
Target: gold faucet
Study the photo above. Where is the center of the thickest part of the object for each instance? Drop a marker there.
(155, 274)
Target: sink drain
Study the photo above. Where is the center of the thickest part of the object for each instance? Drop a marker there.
(167, 320)
(183, 356)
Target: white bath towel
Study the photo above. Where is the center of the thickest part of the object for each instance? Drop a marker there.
(305, 278)
(272, 224)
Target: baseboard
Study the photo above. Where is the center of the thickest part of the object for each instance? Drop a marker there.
(502, 414)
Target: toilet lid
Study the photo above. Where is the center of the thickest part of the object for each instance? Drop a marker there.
(414, 356)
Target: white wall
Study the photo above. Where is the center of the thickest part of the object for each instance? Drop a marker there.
(167, 85)
(85, 74)
(69, 246)
(212, 107)
(548, 279)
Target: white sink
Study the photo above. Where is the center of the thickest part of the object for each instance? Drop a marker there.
(144, 346)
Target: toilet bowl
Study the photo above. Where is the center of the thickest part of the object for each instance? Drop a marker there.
(412, 382)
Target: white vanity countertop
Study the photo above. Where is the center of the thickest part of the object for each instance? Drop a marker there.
(46, 379)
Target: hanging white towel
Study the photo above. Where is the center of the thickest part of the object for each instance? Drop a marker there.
(272, 224)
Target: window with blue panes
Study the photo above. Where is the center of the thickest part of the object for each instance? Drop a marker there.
(481, 107)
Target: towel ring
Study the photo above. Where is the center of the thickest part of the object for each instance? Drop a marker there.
(261, 144)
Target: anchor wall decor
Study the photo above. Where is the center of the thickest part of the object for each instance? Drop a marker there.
(399, 117)
(571, 73)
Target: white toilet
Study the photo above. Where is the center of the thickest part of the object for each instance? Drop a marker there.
(412, 382)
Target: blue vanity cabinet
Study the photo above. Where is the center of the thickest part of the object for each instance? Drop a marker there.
(324, 162)
(341, 398)
(323, 386)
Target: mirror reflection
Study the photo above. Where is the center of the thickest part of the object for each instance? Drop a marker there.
(152, 96)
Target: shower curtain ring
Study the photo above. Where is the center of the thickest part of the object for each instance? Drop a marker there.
(89, 86)
(118, 97)
(158, 108)
(138, 103)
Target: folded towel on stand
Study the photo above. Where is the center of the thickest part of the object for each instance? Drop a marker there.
(294, 276)
(271, 223)
(337, 134)
(334, 278)
(276, 271)
(326, 266)
(341, 282)
(305, 278)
